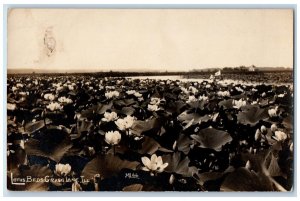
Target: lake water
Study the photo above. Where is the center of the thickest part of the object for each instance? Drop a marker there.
(224, 81)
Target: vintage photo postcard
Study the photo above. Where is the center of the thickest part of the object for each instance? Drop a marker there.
(150, 100)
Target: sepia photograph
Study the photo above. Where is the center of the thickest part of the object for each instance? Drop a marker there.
(151, 100)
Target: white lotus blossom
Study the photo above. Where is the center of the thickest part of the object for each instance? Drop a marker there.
(273, 112)
(155, 101)
(110, 116)
(154, 164)
(65, 100)
(152, 108)
(19, 85)
(110, 87)
(192, 99)
(11, 106)
(208, 86)
(60, 88)
(239, 89)
(137, 94)
(203, 97)
(171, 179)
(280, 136)
(14, 88)
(238, 104)
(263, 94)
(22, 93)
(263, 130)
(257, 135)
(281, 95)
(54, 106)
(71, 87)
(292, 147)
(273, 127)
(184, 90)
(49, 97)
(193, 89)
(62, 169)
(126, 123)
(131, 92)
(223, 93)
(112, 94)
(112, 137)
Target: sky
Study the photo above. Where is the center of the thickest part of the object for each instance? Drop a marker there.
(148, 39)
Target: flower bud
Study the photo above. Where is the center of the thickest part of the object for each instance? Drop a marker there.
(273, 128)
(171, 179)
(263, 130)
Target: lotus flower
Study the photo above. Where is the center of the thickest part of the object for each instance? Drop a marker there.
(112, 94)
(155, 101)
(14, 89)
(273, 112)
(273, 127)
(263, 130)
(126, 123)
(19, 85)
(110, 116)
(257, 135)
(11, 106)
(193, 89)
(184, 90)
(238, 104)
(203, 97)
(154, 164)
(53, 106)
(137, 94)
(239, 89)
(191, 99)
(131, 92)
(62, 169)
(50, 97)
(65, 100)
(112, 137)
(280, 136)
(223, 93)
(152, 108)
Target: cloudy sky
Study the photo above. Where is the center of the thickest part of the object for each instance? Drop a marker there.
(148, 39)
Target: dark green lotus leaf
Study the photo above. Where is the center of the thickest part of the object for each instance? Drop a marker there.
(175, 107)
(107, 166)
(133, 187)
(208, 176)
(186, 117)
(96, 109)
(243, 179)
(183, 144)
(149, 146)
(179, 165)
(127, 111)
(52, 143)
(226, 104)
(197, 104)
(139, 126)
(212, 138)
(14, 160)
(83, 126)
(251, 115)
(35, 126)
(125, 102)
